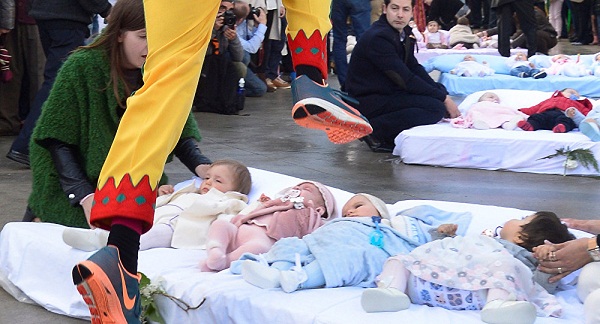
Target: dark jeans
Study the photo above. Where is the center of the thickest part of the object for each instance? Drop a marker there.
(480, 13)
(550, 118)
(255, 87)
(359, 12)
(399, 112)
(272, 48)
(583, 23)
(57, 45)
(526, 17)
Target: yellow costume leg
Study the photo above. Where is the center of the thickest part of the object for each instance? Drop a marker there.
(308, 25)
(178, 33)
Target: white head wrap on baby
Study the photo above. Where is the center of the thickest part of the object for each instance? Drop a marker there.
(379, 205)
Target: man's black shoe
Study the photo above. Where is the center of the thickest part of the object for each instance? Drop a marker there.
(18, 157)
(375, 145)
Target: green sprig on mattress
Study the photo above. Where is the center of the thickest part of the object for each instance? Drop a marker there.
(574, 157)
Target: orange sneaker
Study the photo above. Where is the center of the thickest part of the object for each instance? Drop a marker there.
(320, 107)
(111, 293)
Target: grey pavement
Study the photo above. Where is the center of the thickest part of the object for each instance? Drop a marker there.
(264, 136)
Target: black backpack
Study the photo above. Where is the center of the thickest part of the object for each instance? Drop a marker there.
(217, 89)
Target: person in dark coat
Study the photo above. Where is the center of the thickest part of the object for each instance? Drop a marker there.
(394, 91)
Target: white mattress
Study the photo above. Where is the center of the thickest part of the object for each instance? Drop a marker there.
(494, 149)
(461, 86)
(35, 265)
(425, 54)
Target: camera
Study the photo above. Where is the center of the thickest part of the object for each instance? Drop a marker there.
(253, 11)
(229, 18)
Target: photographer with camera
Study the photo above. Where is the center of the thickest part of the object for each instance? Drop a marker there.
(251, 28)
(221, 69)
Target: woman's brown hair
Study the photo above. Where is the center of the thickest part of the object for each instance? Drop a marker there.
(126, 15)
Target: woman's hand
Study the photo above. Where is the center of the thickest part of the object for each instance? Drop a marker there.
(201, 170)
(448, 229)
(562, 259)
(86, 204)
(590, 226)
(451, 107)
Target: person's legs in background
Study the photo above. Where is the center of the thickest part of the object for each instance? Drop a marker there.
(57, 44)
(493, 20)
(525, 15)
(126, 193)
(273, 59)
(287, 67)
(581, 18)
(27, 65)
(485, 20)
(555, 16)
(475, 17)
(505, 28)
(359, 12)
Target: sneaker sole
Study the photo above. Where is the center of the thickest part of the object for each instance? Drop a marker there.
(341, 127)
(375, 300)
(90, 279)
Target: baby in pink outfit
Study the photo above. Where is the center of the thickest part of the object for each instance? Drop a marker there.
(299, 211)
(488, 113)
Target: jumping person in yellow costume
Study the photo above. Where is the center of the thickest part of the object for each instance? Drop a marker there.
(178, 33)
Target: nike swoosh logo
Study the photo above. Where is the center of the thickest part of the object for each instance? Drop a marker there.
(127, 301)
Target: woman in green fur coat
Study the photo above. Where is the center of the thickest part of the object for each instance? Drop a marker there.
(80, 119)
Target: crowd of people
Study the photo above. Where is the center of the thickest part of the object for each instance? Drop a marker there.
(78, 133)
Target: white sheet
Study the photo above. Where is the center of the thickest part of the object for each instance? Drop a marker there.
(36, 261)
(425, 54)
(493, 149)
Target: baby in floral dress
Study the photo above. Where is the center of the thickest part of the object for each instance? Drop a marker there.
(493, 275)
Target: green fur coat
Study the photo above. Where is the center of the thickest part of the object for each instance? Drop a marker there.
(81, 111)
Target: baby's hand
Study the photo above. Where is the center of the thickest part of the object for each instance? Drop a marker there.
(264, 198)
(570, 112)
(543, 252)
(448, 229)
(165, 190)
(412, 24)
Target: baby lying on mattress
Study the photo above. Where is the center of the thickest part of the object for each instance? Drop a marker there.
(493, 274)
(488, 113)
(182, 217)
(349, 251)
(470, 67)
(550, 113)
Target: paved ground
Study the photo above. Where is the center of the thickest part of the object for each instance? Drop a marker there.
(265, 137)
